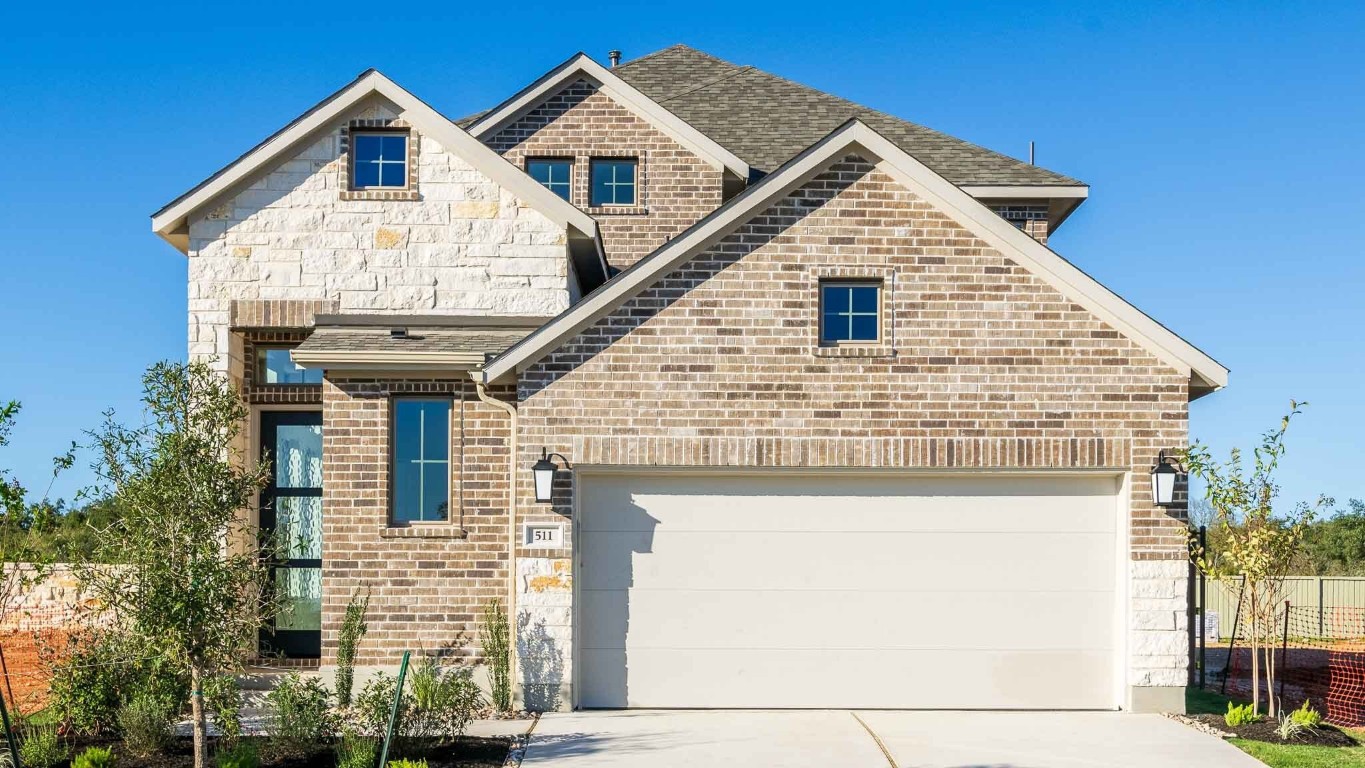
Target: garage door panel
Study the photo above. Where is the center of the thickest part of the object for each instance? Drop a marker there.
(670, 559)
(842, 678)
(806, 619)
(828, 590)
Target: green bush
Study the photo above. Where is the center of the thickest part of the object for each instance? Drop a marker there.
(240, 755)
(96, 672)
(40, 747)
(1306, 715)
(494, 635)
(299, 713)
(443, 699)
(375, 703)
(224, 699)
(1237, 715)
(94, 757)
(147, 722)
(353, 628)
(407, 764)
(356, 751)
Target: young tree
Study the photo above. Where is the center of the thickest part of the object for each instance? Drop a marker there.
(190, 583)
(1256, 545)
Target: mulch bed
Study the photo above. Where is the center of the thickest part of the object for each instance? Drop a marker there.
(1322, 736)
(464, 752)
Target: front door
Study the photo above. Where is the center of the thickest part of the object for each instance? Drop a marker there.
(291, 509)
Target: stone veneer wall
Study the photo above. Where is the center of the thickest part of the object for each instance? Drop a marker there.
(428, 582)
(986, 366)
(465, 247)
(675, 187)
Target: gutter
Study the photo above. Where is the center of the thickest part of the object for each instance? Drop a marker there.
(511, 599)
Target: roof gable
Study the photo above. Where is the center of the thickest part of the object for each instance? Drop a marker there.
(856, 137)
(170, 222)
(581, 67)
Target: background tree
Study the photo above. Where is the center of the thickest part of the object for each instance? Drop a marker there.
(1257, 546)
(186, 587)
(24, 564)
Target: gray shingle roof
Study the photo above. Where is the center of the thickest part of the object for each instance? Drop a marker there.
(766, 120)
(452, 340)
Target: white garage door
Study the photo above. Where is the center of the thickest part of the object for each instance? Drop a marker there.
(842, 591)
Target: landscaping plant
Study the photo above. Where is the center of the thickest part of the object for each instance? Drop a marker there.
(95, 671)
(1258, 542)
(401, 763)
(95, 757)
(299, 713)
(353, 628)
(444, 700)
(147, 721)
(375, 703)
(41, 747)
(1289, 729)
(494, 635)
(1240, 714)
(1306, 715)
(192, 582)
(224, 699)
(239, 755)
(356, 751)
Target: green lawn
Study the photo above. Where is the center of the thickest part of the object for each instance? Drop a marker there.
(1279, 755)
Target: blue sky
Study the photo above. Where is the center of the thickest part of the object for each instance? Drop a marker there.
(1222, 143)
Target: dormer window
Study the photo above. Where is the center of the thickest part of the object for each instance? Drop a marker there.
(379, 160)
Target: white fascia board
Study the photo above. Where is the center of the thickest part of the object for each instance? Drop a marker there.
(427, 120)
(1010, 241)
(1025, 192)
(384, 360)
(623, 93)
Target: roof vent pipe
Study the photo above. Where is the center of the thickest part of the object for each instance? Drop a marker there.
(615, 57)
(1030, 153)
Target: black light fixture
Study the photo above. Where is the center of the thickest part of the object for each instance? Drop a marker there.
(544, 473)
(1164, 476)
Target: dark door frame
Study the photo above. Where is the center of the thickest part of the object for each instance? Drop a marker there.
(292, 643)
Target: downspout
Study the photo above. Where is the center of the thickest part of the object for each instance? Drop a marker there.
(511, 410)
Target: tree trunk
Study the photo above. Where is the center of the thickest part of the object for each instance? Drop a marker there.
(1255, 661)
(199, 717)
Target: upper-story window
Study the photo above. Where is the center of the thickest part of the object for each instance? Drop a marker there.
(421, 460)
(613, 181)
(275, 366)
(379, 160)
(850, 312)
(555, 173)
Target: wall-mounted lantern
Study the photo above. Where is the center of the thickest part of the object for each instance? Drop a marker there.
(1164, 477)
(544, 473)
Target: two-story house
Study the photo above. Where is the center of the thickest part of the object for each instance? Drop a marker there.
(739, 394)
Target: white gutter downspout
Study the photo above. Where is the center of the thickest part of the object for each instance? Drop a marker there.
(511, 410)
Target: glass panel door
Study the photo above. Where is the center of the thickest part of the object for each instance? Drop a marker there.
(291, 510)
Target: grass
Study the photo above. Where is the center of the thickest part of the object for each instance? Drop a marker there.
(1199, 702)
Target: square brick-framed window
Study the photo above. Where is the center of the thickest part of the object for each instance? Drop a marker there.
(378, 168)
(636, 161)
(553, 173)
(851, 311)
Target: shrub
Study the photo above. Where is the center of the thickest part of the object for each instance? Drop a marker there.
(353, 628)
(100, 670)
(1244, 714)
(443, 700)
(1306, 715)
(494, 636)
(94, 757)
(299, 715)
(146, 721)
(41, 748)
(375, 703)
(224, 700)
(407, 764)
(1289, 729)
(356, 751)
(240, 755)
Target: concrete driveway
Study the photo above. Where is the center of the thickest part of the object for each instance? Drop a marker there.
(880, 739)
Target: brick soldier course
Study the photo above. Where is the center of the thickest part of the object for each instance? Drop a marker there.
(985, 362)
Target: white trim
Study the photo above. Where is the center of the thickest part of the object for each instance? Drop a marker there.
(1045, 192)
(171, 219)
(580, 66)
(351, 360)
(947, 197)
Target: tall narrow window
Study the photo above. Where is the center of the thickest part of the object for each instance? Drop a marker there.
(555, 174)
(421, 460)
(613, 182)
(850, 312)
(379, 160)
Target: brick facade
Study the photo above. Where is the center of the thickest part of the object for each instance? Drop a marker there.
(676, 188)
(991, 367)
(428, 582)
